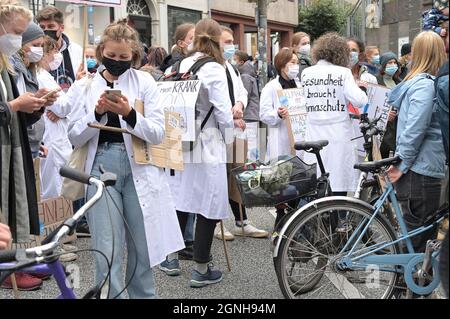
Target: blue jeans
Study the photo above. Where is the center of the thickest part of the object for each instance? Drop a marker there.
(114, 159)
(189, 231)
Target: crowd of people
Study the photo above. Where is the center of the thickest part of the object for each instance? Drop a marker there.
(50, 92)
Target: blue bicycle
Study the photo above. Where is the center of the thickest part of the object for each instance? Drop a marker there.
(366, 259)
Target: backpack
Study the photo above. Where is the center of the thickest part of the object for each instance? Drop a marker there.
(191, 75)
(441, 101)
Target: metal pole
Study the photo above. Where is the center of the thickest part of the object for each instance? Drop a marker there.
(262, 42)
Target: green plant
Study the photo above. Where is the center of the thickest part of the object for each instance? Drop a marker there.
(323, 16)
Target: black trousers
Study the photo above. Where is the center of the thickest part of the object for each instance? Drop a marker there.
(235, 209)
(418, 196)
(204, 233)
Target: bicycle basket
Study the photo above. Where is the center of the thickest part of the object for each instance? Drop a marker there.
(262, 185)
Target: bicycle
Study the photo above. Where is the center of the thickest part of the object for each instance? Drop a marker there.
(367, 260)
(41, 259)
(370, 189)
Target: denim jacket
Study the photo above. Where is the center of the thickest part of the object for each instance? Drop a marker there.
(419, 137)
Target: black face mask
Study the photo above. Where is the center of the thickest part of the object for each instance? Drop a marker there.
(52, 34)
(116, 68)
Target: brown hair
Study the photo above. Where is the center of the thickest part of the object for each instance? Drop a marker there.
(156, 56)
(224, 28)
(282, 58)
(120, 31)
(333, 48)
(370, 49)
(298, 37)
(50, 13)
(180, 34)
(243, 56)
(428, 54)
(207, 39)
(50, 45)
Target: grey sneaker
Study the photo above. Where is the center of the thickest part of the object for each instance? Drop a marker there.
(171, 268)
(199, 280)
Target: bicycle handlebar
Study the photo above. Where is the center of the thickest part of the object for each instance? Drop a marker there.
(75, 175)
(7, 256)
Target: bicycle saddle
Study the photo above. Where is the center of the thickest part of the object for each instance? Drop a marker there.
(373, 167)
(311, 147)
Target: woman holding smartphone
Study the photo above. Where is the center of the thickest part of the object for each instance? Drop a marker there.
(139, 207)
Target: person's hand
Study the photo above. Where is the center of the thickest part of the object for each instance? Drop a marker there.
(283, 112)
(121, 106)
(5, 236)
(392, 116)
(51, 99)
(443, 33)
(81, 72)
(238, 111)
(362, 84)
(394, 174)
(43, 150)
(27, 103)
(53, 117)
(240, 123)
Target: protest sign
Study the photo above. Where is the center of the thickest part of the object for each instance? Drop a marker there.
(294, 101)
(169, 153)
(378, 106)
(181, 97)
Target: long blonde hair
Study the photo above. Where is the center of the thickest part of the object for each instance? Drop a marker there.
(9, 8)
(428, 54)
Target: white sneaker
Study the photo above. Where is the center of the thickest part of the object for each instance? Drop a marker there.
(68, 248)
(250, 231)
(68, 257)
(218, 233)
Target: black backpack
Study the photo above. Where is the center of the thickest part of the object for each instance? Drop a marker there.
(191, 75)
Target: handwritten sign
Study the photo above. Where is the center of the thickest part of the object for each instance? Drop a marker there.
(169, 153)
(103, 3)
(294, 101)
(52, 213)
(181, 97)
(378, 106)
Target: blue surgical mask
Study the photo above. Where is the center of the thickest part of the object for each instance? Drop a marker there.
(228, 51)
(354, 58)
(91, 63)
(376, 59)
(391, 70)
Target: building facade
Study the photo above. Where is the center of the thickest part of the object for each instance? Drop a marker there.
(240, 16)
(156, 20)
(396, 22)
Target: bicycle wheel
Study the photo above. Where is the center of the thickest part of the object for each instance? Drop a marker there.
(443, 265)
(310, 250)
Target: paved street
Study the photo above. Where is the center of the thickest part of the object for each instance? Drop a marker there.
(252, 274)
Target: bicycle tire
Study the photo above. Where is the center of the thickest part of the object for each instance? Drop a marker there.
(443, 264)
(394, 292)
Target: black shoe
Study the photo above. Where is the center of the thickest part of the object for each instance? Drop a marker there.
(83, 230)
(187, 253)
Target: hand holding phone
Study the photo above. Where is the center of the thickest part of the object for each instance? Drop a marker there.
(51, 93)
(113, 95)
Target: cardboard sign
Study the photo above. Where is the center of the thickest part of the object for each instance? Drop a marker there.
(52, 213)
(378, 106)
(295, 102)
(102, 3)
(181, 97)
(168, 154)
(238, 150)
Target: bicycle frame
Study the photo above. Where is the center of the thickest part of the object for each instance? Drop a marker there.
(390, 263)
(55, 269)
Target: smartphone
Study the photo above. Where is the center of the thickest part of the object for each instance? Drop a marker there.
(51, 93)
(112, 95)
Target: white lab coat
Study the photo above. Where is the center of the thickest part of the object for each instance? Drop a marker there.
(240, 93)
(328, 119)
(204, 187)
(55, 139)
(278, 142)
(369, 78)
(160, 220)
